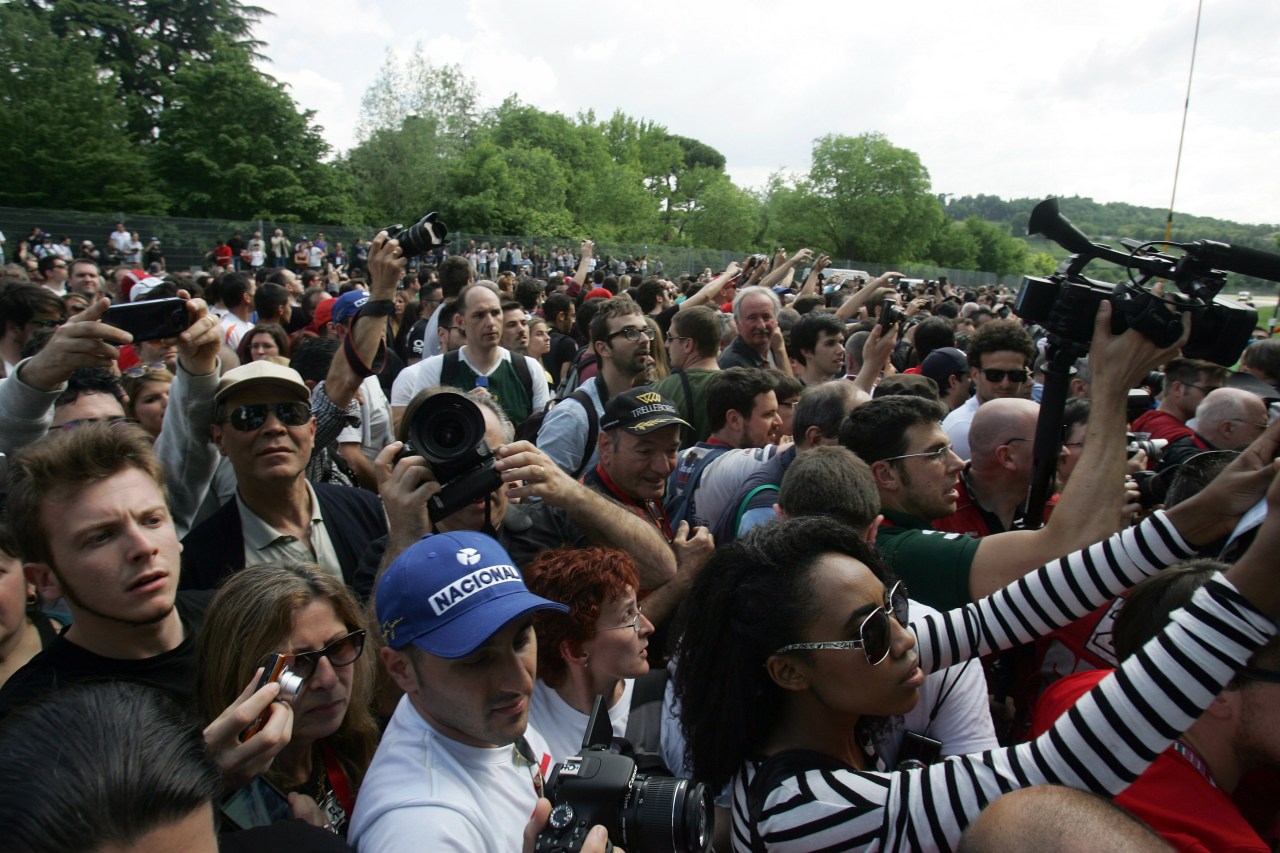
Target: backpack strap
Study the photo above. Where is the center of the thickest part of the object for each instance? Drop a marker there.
(593, 430)
(687, 435)
(679, 504)
(449, 369)
(775, 769)
(746, 504)
(521, 366)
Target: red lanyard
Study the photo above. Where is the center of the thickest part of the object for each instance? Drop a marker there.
(338, 781)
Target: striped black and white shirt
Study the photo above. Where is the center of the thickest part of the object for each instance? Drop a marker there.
(1102, 744)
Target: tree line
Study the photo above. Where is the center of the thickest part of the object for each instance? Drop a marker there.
(157, 107)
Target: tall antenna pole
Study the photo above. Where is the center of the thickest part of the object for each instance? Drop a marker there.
(1186, 106)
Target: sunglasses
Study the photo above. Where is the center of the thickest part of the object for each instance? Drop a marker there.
(252, 416)
(1015, 376)
(343, 651)
(875, 632)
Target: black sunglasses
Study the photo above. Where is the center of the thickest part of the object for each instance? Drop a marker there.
(1016, 376)
(875, 633)
(252, 416)
(343, 651)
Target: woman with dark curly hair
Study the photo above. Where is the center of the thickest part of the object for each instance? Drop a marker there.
(263, 340)
(302, 610)
(797, 640)
(598, 648)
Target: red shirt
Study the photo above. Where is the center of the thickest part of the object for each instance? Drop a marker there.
(1160, 425)
(1172, 796)
(222, 255)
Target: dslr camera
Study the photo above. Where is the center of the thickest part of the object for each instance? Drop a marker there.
(447, 429)
(641, 812)
(423, 236)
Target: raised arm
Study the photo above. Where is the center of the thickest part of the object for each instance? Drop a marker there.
(779, 271)
(1090, 505)
(712, 289)
(585, 251)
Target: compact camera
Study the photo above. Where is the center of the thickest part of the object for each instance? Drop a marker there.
(275, 667)
(447, 429)
(641, 812)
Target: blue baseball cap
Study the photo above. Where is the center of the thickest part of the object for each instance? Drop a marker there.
(348, 305)
(450, 592)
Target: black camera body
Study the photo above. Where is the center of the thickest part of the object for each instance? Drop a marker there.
(641, 812)
(447, 429)
(151, 319)
(1066, 302)
(423, 236)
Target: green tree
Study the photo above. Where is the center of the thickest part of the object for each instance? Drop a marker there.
(954, 246)
(726, 217)
(143, 43)
(876, 202)
(442, 93)
(65, 143)
(997, 251)
(232, 144)
(398, 173)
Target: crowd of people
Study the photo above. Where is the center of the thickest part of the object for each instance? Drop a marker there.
(340, 549)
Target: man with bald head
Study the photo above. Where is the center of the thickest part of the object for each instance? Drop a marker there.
(1227, 419)
(994, 483)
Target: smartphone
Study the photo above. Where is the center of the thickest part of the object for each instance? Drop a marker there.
(257, 804)
(150, 320)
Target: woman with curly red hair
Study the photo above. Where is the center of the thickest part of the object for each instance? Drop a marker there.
(598, 648)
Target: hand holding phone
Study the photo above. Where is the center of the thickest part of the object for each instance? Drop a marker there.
(151, 319)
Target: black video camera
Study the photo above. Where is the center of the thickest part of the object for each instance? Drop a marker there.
(641, 812)
(1066, 302)
(421, 237)
(448, 429)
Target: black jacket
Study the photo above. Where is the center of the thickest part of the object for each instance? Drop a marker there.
(215, 549)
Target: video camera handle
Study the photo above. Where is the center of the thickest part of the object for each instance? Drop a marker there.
(1048, 444)
(1204, 255)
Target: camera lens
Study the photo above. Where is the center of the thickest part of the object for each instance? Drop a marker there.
(447, 425)
(290, 685)
(671, 815)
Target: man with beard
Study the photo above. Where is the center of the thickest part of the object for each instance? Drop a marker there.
(621, 340)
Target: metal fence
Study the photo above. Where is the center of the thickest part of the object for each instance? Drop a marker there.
(185, 242)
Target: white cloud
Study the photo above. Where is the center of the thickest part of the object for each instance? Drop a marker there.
(1003, 97)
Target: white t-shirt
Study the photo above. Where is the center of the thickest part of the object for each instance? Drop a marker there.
(374, 432)
(426, 374)
(956, 426)
(562, 725)
(120, 241)
(425, 791)
(233, 329)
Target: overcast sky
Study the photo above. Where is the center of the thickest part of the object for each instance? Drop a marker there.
(1006, 98)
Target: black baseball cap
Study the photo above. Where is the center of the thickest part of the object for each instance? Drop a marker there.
(640, 411)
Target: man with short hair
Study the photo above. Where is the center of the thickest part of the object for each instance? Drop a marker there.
(517, 382)
(755, 310)
(817, 344)
(1000, 355)
(949, 368)
(237, 297)
(692, 347)
(85, 278)
(271, 301)
(92, 394)
(455, 274)
(52, 271)
(1187, 381)
(560, 313)
(458, 767)
(743, 410)
(24, 310)
(621, 340)
(515, 327)
(1226, 419)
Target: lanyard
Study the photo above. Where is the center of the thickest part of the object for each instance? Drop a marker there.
(338, 781)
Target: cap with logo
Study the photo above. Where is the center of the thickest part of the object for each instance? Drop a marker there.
(640, 411)
(348, 305)
(450, 592)
(263, 373)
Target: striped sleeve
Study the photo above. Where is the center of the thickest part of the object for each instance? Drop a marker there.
(1102, 744)
(1051, 597)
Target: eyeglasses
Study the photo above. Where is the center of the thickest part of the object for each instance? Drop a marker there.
(671, 338)
(939, 455)
(1205, 389)
(252, 416)
(343, 651)
(874, 632)
(1015, 376)
(1257, 426)
(634, 333)
(634, 623)
(1013, 440)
